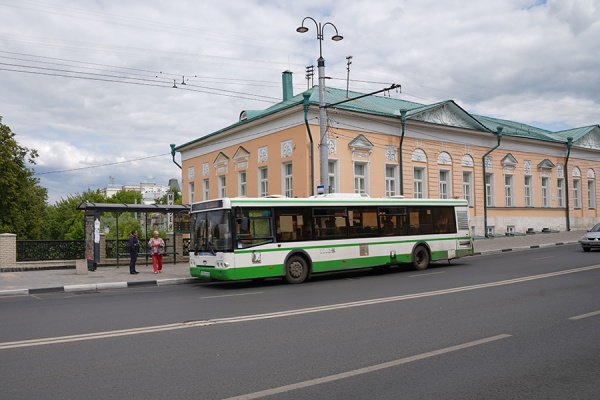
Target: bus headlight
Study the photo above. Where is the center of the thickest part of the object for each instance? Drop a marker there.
(221, 265)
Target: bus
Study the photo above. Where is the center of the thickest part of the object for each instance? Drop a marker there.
(293, 238)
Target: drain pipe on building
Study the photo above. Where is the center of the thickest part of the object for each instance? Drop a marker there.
(306, 96)
(403, 123)
(569, 144)
(485, 226)
(173, 154)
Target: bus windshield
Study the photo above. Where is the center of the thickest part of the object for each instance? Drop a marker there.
(212, 233)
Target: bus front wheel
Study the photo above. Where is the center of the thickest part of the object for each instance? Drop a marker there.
(420, 258)
(296, 270)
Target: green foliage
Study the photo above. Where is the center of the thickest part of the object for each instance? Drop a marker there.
(65, 221)
(127, 223)
(176, 198)
(126, 197)
(22, 199)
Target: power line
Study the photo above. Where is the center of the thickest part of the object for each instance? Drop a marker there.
(101, 165)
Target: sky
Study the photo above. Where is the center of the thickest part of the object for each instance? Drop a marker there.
(89, 84)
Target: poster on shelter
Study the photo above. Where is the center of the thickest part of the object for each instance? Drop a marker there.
(89, 237)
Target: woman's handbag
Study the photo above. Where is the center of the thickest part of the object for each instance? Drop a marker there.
(161, 251)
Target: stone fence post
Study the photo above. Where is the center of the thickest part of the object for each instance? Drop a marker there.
(8, 250)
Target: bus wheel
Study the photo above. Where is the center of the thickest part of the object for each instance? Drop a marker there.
(296, 270)
(420, 258)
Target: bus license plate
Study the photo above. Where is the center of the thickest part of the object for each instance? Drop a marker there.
(205, 273)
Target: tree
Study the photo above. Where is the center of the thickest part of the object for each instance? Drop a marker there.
(163, 199)
(126, 197)
(65, 221)
(22, 200)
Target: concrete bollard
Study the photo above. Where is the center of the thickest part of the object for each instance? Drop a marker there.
(81, 266)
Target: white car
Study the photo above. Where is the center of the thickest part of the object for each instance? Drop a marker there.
(591, 240)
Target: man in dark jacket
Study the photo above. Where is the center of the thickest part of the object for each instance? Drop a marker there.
(133, 246)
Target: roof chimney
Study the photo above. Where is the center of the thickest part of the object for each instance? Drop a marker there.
(288, 90)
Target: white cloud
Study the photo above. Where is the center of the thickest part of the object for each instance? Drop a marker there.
(526, 60)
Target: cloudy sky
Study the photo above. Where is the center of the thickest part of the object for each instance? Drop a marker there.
(89, 84)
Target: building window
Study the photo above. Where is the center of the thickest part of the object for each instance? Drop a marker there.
(508, 191)
(591, 194)
(445, 184)
(263, 182)
(528, 191)
(468, 187)
(360, 178)
(287, 180)
(391, 180)
(242, 184)
(222, 186)
(191, 192)
(491, 230)
(418, 182)
(489, 190)
(205, 189)
(332, 175)
(545, 192)
(560, 192)
(510, 229)
(576, 198)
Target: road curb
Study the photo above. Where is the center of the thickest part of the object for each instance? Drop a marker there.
(94, 287)
(521, 248)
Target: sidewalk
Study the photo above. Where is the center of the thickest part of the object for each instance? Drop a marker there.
(112, 277)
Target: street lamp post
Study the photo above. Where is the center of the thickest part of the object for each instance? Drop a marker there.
(323, 147)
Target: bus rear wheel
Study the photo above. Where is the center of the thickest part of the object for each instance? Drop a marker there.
(296, 270)
(420, 258)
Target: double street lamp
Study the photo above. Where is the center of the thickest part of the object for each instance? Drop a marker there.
(323, 147)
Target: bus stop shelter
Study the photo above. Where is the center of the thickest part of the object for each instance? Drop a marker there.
(92, 224)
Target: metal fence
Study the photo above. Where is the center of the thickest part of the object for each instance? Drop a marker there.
(60, 250)
(50, 250)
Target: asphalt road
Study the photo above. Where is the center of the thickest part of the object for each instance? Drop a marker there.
(514, 325)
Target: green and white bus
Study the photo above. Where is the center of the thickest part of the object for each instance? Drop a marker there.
(257, 238)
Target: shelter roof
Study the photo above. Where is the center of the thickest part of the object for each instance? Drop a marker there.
(148, 208)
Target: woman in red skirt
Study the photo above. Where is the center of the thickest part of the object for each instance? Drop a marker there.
(155, 244)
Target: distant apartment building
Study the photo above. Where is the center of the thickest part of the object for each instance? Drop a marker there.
(515, 177)
(150, 190)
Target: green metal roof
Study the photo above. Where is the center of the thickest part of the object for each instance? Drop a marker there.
(390, 107)
(517, 129)
(576, 133)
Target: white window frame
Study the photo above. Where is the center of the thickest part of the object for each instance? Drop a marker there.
(333, 176)
(263, 182)
(361, 181)
(528, 190)
(560, 192)
(576, 193)
(391, 180)
(468, 187)
(242, 187)
(222, 186)
(445, 184)
(545, 185)
(206, 189)
(489, 188)
(419, 182)
(591, 190)
(191, 193)
(509, 198)
(287, 183)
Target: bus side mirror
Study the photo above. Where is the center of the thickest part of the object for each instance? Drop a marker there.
(244, 224)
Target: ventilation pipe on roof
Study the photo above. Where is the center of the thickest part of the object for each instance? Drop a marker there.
(569, 144)
(485, 226)
(288, 89)
(306, 96)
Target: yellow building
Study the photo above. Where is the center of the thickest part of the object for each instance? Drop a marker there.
(531, 178)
